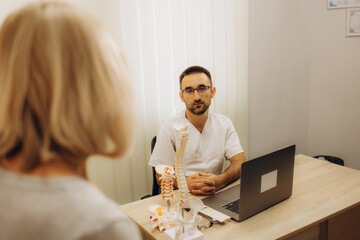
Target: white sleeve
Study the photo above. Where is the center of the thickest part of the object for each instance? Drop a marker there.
(165, 148)
(232, 143)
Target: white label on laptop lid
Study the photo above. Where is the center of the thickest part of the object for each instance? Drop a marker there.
(268, 181)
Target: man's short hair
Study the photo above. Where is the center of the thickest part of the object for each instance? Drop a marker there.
(194, 69)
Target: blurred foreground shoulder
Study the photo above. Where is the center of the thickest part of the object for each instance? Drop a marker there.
(121, 229)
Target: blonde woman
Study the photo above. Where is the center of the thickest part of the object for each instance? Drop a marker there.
(63, 97)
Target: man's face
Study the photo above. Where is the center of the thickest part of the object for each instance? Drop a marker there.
(197, 101)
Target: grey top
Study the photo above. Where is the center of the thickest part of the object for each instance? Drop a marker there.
(58, 208)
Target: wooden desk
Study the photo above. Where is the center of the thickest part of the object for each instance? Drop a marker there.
(325, 205)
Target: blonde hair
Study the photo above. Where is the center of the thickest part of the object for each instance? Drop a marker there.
(63, 87)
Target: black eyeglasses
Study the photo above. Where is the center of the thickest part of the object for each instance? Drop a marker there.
(200, 89)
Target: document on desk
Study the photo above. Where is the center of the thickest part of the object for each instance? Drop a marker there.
(215, 215)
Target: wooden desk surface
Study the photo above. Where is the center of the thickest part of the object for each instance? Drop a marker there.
(321, 190)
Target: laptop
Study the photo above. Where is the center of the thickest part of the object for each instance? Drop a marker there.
(265, 181)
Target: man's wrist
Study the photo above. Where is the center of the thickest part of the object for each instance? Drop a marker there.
(188, 181)
(220, 181)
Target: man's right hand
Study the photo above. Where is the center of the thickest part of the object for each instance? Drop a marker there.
(200, 184)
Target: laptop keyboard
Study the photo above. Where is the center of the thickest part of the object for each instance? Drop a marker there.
(232, 206)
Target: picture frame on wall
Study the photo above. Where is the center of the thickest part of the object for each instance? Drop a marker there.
(331, 4)
(353, 22)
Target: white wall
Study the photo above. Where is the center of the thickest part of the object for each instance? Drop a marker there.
(278, 100)
(304, 80)
(334, 86)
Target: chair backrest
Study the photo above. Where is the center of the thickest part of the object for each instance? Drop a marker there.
(155, 188)
(153, 142)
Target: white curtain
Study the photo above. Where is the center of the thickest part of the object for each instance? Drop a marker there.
(160, 38)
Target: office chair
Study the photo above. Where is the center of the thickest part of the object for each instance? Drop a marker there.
(155, 187)
(331, 159)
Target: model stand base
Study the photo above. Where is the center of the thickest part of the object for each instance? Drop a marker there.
(192, 235)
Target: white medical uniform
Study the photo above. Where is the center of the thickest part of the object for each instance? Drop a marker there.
(204, 151)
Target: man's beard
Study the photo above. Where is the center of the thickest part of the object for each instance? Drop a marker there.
(199, 111)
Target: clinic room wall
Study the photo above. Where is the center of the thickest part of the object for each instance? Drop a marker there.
(304, 80)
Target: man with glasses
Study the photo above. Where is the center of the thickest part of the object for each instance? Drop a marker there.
(212, 137)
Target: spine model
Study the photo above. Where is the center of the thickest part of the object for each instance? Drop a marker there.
(167, 181)
(179, 167)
